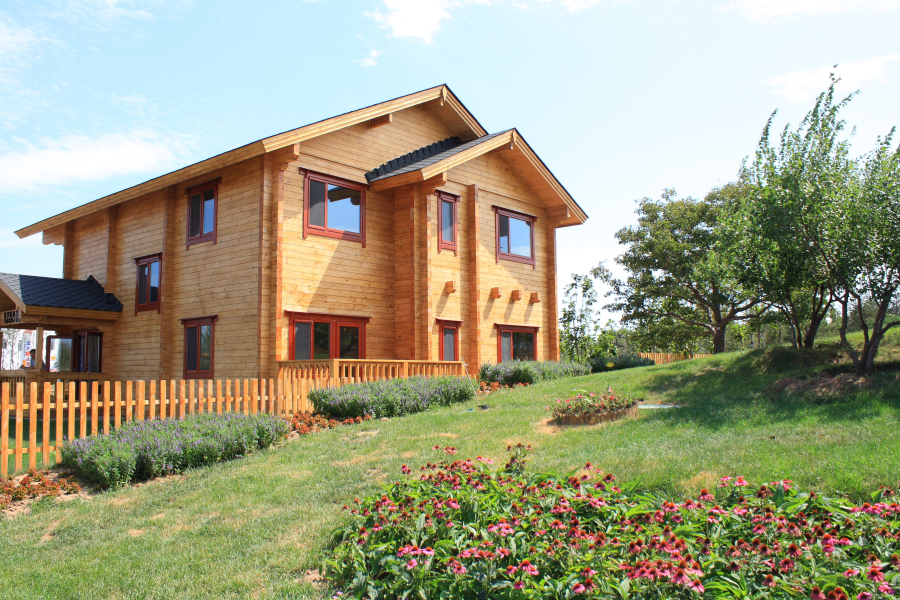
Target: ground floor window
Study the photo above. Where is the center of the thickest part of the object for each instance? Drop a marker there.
(449, 339)
(516, 342)
(77, 353)
(316, 336)
(199, 347)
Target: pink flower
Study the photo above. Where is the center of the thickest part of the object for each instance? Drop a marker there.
(885, 589)
(816, 594)
(519, 585)
(680, 577)
(696, 586)
(864, 596)
(875, 574)
(405, 470)
(578, 588)
(851, 573)
(412, 564)
(741, 482)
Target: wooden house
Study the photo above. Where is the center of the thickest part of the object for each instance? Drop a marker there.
(399, 232)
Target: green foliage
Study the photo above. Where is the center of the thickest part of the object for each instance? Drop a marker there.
(603, 364)
(529, 371)
(590, 403)
(391, 398)
(677, 270)
(461, 531)
(577, 324)
(146, 449)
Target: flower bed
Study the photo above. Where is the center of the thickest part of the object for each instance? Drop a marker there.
(145, 449)
(391, 398)
(305, 424)
(529, 371)
(486, 388)
(459, 531)
(587, 408)
(36, 484)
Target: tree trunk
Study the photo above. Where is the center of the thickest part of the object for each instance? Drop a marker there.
(719, 339)
(809, 338)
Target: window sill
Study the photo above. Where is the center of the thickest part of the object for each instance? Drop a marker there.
(516, 258)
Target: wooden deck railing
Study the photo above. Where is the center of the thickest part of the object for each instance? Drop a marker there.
(53, 411)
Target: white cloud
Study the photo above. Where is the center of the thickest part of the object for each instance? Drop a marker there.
(418, 18)
(576, 5)
(801, 86)
(80, 158)
(18, 47)
(763, 10)
(371, 60)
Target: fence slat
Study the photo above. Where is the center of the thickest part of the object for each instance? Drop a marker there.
(60, 395)
(20, 410)
(82, 406)
(32, 426)
(129, 401)
(117, 399)
(4, 429)
(72, 396)
(140, 400)
(152, 412)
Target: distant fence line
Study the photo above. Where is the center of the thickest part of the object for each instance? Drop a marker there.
(664, 358)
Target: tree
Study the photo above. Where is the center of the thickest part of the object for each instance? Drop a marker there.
(677, 269)
(845, 211)
(577, 320)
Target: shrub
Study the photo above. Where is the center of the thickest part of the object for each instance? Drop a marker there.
(145, 449)
(304, 423)
(529, 371)
(460, 531)
(602, 364)
(590, 403)
(392, 397)
(36, 484)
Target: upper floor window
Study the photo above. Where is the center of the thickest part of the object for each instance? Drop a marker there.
(316, 336)
(334, 208)
(515, 236)
(203, 207)
(199, 347)
(447, 223)
(148, 277)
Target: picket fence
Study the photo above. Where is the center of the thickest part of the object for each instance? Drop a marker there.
(81, 408)
(664, 358)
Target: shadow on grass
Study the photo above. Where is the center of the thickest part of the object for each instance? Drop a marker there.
(732, 388)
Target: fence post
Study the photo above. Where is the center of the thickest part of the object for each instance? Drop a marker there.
(60, 394)
(83, 406)
(254, 395)
(20, 409)
(152, 412)
(45, 413)
(141, 398)
(71, 411)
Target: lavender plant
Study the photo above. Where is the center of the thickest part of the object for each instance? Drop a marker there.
(530, 371)
(393, 397)
(146, 449)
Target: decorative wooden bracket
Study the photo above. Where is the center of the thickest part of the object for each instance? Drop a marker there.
(449, 287)
(282, 157)
(495, 293)
(381, 121)
(535, 297)
(516, 295)
(431, 104)
(505, 147)
(435, 182)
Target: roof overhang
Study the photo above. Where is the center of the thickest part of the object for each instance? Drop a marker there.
(563, 210)
(439, 99)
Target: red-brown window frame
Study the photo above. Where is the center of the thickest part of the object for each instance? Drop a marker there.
(335, 322)
(448, 324)
(203, 237)
(504, 327)
(77, 354)
(138, 262)
(325, 231)
(522, 217)
(444, 245)
(197, 321)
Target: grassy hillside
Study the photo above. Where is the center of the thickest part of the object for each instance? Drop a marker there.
(252, 528)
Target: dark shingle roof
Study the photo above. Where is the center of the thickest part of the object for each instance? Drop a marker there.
(61, 293)
(423, 157)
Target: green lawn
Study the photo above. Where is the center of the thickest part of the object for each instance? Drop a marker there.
(251, 528)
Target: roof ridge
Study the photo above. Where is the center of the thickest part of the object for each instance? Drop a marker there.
(413, 157)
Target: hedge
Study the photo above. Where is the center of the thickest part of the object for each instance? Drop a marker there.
(529, 371)
(391, 398)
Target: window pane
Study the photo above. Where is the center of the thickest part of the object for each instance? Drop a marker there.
(321, 340)
(316, 203)
(520, 232)
(196, 210)
(92, 356)
(523, 345)
(447, 221)
(60, 355)
(504, 233)
(142, 284)
(302, 341)
(154, 281)
(505, 346)
(344, 208)
(205, 347)
(449, 342)
(190, 347)
(209, 211)
(349, 342)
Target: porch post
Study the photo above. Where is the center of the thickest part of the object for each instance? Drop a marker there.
(39, 350)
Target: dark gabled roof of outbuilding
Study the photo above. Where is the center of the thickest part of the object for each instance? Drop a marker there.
(53, 292)
(427, 155)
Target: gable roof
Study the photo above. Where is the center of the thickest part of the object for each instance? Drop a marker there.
(449, 107)
(425, 157)
(51, 292)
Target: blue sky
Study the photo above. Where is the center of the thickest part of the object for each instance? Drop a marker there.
(620, 98)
